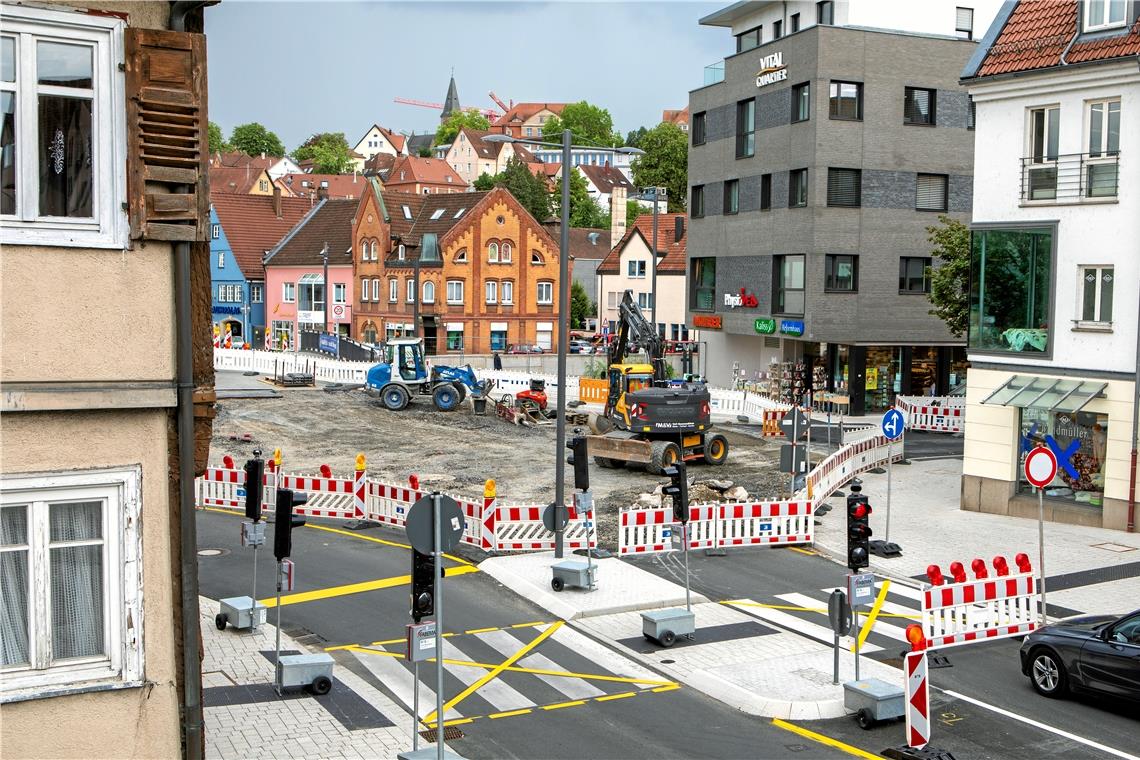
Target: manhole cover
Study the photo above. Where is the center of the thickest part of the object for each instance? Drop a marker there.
(1118, 548)
(212, 552)
(450, 734)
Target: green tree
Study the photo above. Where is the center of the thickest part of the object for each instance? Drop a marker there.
(218, 142)
(424, 152)
(665, 163)
(634, 138)
(580, 306)
(329, 152)
(588, 125)
(633, 209)
(584, 210)
(254, 139)
(469, 117)
(528, 189)
(950, 282)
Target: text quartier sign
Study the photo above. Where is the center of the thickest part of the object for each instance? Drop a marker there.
(772, 70)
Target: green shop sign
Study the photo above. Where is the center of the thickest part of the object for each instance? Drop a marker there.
(765, 326)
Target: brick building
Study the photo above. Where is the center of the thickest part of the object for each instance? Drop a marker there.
(423, 176)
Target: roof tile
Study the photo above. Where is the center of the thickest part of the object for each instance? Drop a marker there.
(252, 227)
(672, 262)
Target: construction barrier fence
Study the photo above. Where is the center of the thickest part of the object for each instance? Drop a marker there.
(980, 610)
(940, 414)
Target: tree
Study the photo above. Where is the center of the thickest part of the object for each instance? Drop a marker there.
(633, 209)
(634, 138)
(584, 210)
(527, 188)
(580, 306)
(588, 125)
(469, 117)
(218, 142)
(253, 139)
(665, 163)
(950, 282)
(329, 152)
(424, 152)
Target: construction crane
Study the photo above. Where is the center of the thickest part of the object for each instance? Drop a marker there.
(498, 102)
(490, 113)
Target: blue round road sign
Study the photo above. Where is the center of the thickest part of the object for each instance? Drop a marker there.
(893, 424)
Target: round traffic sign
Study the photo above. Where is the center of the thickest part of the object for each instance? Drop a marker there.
(1040, 466)
(893, 424)
(554, 519)
(420, 530)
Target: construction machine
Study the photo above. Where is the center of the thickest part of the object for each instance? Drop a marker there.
(405, 373)
(648, 420)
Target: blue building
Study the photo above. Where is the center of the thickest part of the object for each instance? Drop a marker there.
(231, 305)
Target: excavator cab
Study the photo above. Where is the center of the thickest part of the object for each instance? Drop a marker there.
(624, 378)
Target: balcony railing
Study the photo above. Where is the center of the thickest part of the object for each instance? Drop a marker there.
(1071, 177)
(714, 73)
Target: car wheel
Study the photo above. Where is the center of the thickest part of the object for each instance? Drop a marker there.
(1048, 674)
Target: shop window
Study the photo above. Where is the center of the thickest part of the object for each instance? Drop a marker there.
(844, 187)
(789, 279)
(1081, 478)
(746, 128)
(801, 102)
(841, 273)
(882, 377)
(282, 335)
(914, 274)
(702, 275)
(919, 106)
(846, 101)
(498, 340)
(1096, 294)
(1011, 279)
(454, 340)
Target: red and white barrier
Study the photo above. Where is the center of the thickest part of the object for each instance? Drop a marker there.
(645, 531)
(866, 453)
(520, 528)
(942, 414)
(982, 609)
(716, 526)
(766, 523)
(917, 706)
(328, 497)
(220, 487)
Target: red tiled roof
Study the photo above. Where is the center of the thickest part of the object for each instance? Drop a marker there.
(235, 180)
(380, 164)
(330, 222)
(1037, 33)
(673, 261)
(676, 117)
(237, 158)
(605, 178)
(431, 171)
(337, 185)
(588, 243)
(520, 112)
(252, 227)
(396, 140)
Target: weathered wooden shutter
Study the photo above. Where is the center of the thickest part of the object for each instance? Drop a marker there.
(167, 135)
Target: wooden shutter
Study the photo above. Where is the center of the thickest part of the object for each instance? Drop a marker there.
(167, 136)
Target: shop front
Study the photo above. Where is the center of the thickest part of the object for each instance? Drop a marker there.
(872, 376)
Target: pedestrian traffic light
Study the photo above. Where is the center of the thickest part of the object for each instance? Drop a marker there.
(254, 475)
(287, 498)
(678, 490)
(858, 529)
(580, 459)
(423, 583)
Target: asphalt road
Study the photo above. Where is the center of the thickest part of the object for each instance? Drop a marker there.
(678, 723)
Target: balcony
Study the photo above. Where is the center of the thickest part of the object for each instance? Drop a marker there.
(1070, 178)
(714, 73)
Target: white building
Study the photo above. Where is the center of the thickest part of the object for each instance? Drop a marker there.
(1055, 262)
(379, 140)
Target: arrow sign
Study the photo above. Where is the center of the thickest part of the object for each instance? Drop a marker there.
(1041, 466)
(893, 424)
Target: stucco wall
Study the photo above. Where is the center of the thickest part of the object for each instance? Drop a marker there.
(140, 722)
(670, 287)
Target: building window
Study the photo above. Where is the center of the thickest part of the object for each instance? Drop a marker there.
(697, 206)
(635, 268)
(765, 192)
(731, 196)
(797, 188)
(919, 106)
(498, 338)
(825, 12)
(256, 292)
(698, 130)
(429, 292)
(505, 253)
(72, 580)
(393, 289)
(288, 292)
(1096, 294)
(1041, 172)
(702, 276)
(1104, 148)
(841, 273)
(492, 291)
(914, 274)
(777, 29)
(455, 337)
(374, 248)
(545, 293)
(493, 253)
(263, 185)
(843, 187)
(972, 113)
(363, 288)
(215, 229)
(409, 290)
(221, 259)
(793, 23)
(1104, 14)
(801, 102)
(363, 250)
(645, 300)
(455, 292)
(931, 192)
(340, 292)
(401, 252)
(964, 23)
(507, 292)
(461, 257)
(536, 258)
(61, 180)
(312, 294)
(789, 291)
(746, 128)
(748, 40)
(846, 101)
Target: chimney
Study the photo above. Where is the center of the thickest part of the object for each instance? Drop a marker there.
(322, 193)
(277, 200)
(617, 215)
(678, 228)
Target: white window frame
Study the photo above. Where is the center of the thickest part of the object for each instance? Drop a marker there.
(401, 252)
(256, 292)
(109, 227)
(289, 292)
(548, 287)
(461, 257)
(635, 269)
(364, 289)
(428, 292)
(536, 259)
(505, 252)
(123, 664)
(375, 250)
(491, 288)
(493, 253)
(409, 290)
(507, 292)
(1105, 6)
(1083, 270)
(393, 290)
(1106, 104)
(340, 292)
(455, 292)
(215, 231)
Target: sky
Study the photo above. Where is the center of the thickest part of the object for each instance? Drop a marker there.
(306, 67)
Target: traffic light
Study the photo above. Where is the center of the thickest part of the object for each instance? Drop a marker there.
(580, 459)
(287, 498)
(678, 490)
(423, 580)
(254, 474)
(858, 529)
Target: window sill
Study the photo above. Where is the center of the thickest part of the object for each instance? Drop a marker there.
(841, 292)
(1073, 202)
(914, 292)
(932, 210)
(918, 124)
(1091, 327)
(62, 690)
(842, 118)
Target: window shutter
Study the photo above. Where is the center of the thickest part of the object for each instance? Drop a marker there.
(843, 187)
(931, 192)
(167, 141)
(964, 19)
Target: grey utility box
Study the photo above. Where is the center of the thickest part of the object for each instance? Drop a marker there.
(664, 626)
(311, 670)
(574, 575)
(241, 612)
(873, 700)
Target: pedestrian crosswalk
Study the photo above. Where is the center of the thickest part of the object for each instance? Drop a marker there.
(504, 672)
(806, 614)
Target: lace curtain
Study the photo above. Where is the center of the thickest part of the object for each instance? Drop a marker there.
(77, 580)
(13, 586)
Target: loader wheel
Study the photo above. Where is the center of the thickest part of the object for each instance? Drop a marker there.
(662, 454)
(461, 389)
(716, 449)
(394, 397)
(445, 397)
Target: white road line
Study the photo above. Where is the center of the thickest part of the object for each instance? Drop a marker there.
(1042, 726)
(798, 625)
(503, 697)
(573, 688)
(398, 679)
(605, 657)
(902, 589)
(889, 606)
(881, 627)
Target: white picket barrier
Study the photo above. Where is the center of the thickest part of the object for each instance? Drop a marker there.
(220, 487)
(942, 414)
(520, 528)
(328, 497)
(645, 531)
(980, 610)
(766, 523)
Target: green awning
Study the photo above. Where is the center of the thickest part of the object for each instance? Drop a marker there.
(1051, 393)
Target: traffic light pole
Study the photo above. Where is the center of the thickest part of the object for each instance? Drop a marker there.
(437, 598)
(855, 610)
(688, 602)
(253, 594)
(277, 646)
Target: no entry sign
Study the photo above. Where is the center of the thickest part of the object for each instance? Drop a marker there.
(1040, 466)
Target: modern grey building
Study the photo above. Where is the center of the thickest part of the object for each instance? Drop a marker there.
(815, 168)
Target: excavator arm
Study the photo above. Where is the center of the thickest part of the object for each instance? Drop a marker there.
(635, 330)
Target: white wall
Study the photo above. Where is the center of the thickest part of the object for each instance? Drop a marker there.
(922, 16)
(670, 287)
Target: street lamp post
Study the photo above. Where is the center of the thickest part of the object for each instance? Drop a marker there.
(325, 284)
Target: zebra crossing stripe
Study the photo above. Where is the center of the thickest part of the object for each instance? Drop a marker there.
(886, 629)
(571, 688)
(498, 694)
(794, 624)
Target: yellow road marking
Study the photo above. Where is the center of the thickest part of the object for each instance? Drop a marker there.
(526, 625)
(454, 722)
(224, 511)
(481, 630)
(801, 551)
(446, 635)
(560, 705)
(623, 695)
(670, 687)
(499, 669)
(794, 608)
(865, 628)
(356, 588)
(524, 711)
(826, 740)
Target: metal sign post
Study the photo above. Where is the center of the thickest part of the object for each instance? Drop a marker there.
(277, 646)
(894, 424)
(685, 533)
(437, 588)
(839, 615)
(1040, 469)
(860, 590)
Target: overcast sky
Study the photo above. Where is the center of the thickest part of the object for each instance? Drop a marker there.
(305, 67)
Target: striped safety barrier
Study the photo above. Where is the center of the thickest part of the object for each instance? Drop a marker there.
(220, 487)
(591, 391)
(328, 497)
(645, 531)
(520, 528)
(982, 609)
(766, 523)
(942, 414)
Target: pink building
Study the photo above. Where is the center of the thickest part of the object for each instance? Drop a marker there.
(295, 289)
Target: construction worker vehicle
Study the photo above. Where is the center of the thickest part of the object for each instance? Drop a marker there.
(647, 420)
(405, 374)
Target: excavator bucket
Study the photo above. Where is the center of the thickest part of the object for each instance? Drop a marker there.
(618, 446)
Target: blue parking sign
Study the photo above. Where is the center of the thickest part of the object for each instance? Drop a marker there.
(893, 424)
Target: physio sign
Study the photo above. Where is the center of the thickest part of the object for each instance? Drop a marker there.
(772, 70)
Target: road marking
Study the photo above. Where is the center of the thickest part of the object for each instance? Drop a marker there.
(886, 629)
(555, 706)
(827, 740)
(356, 588)
(802, 551)
(623, 695)
(501, 696)
(866, 626)
(792, 623)
(524, 711)
(401, 640)
(399, 679)
(890, 609)
(571, 687)
(560, 705)
(481, 630)
(1042, 726)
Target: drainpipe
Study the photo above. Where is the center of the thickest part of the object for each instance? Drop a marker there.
(188, 545)
(1076, 33)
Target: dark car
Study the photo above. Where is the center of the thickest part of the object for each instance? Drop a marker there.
(1090, 653)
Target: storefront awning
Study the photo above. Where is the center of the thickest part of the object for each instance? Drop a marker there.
(1053, 394)
(309, 278)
